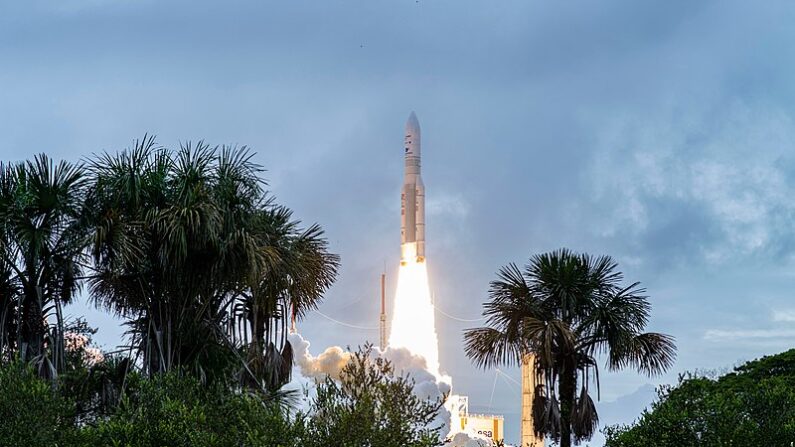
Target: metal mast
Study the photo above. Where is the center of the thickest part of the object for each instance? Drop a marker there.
(383, 311)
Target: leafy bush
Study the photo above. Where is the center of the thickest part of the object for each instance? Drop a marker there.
(31, 412)
(753, 405)
(371, 406)
(176, 411)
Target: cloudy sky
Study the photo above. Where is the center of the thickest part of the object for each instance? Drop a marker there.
(660, 133)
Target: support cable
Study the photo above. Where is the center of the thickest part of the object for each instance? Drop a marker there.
(507, 377)
(342, 323)
(453, 317)
(493, 388)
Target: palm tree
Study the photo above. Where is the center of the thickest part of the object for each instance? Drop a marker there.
(171, 242)
(192, 252)
(289, 287)
(567, 309)
(42, 242)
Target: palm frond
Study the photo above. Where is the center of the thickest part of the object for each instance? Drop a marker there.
(651, 353)
(489, 347)
(584, 418)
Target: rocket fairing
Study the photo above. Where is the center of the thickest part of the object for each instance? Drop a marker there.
(412, 198)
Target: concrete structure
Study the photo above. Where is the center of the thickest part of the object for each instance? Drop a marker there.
(412, 197)
(487, 426)
(528, 436)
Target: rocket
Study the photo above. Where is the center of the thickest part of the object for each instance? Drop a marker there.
(412, 197)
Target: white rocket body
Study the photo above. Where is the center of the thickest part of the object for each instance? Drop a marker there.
(413, 318)
(412, 198)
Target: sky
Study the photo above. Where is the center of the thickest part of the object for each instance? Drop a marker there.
(660, 133)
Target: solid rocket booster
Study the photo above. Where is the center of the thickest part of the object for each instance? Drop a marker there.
(412, 198)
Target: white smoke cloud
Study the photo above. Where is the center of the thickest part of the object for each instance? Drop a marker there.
(329, 363)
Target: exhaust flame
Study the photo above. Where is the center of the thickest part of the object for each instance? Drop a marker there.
(413, 325)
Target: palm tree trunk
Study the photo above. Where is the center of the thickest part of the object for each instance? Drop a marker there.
(567, 382)
(32, 326)
(58, 348)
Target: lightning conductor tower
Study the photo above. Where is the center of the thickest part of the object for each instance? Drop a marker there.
(383, 311)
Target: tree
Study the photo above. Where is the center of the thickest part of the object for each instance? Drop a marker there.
(42, 243)
(158, 249)
(371, 406)
(567, 309)
(291, 285)
(190, 249)
(752, 405)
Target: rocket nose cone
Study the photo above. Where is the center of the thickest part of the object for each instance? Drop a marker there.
(412, 125)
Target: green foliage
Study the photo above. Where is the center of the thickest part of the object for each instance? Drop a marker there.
(371, 406)
(565, 309)
(753, 405)
(31, 412)
(175, 411)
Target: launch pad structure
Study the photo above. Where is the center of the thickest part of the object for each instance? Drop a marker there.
(489, 426)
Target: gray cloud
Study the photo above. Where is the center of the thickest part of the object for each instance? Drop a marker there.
(715, 196)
